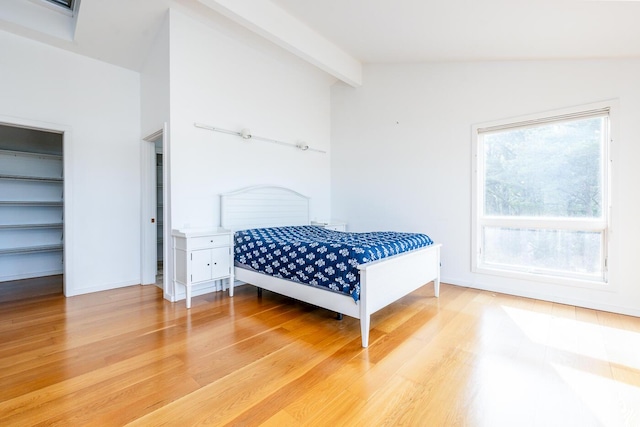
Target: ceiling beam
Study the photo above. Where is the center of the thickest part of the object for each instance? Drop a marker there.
(281, 28)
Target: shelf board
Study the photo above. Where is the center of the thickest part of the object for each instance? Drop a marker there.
(30, 203)
(30, 226)
(31, 249)
(31, 178)
(30, 154)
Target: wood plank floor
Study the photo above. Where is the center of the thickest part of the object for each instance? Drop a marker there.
(469, 358)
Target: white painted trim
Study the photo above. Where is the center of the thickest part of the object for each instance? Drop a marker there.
(148, 269)
(477, 202)
(543, 296)
(103, 287)
(154, 136)
(148, 234)
(168, 286)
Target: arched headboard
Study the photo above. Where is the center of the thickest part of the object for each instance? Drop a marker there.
(263, 206)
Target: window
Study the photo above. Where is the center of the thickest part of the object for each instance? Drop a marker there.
(63, 3)
(541, 199)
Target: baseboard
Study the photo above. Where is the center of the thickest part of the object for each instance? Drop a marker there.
(630, 311)
(104, 287)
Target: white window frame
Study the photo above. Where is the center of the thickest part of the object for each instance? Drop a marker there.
(479, 220)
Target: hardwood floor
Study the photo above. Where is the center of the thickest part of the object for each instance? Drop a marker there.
(24, 289)
(469, 358)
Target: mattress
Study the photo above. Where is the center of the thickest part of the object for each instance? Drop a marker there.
(318, 257)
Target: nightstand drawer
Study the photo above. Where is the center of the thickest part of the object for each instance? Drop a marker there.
(209, 241)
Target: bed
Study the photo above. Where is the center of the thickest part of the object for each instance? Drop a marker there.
(268, 207)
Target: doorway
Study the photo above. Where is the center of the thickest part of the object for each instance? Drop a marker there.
(155, 236)
(159, 214)
(31, 203)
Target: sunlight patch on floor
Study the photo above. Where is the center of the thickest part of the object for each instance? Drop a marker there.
(578, 337)
(614, 403)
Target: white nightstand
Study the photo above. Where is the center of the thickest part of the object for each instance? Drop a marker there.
(334, 225)
(201, 256)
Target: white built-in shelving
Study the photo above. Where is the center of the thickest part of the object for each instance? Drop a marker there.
(31, 213)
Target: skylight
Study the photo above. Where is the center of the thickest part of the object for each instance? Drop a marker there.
(68, 4)
(55, 18)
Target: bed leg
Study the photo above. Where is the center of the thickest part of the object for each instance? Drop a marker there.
(338, 316)
(259, 292)
(436, 287)
(365, 322)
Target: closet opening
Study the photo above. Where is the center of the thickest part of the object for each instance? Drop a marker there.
(31, 210)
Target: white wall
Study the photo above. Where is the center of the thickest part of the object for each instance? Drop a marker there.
(154, 83)
(154, 112)
(224, 81)
(401, 156)
(224, 76)
(99, 105)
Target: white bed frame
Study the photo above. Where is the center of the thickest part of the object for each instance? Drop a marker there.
(269, 206)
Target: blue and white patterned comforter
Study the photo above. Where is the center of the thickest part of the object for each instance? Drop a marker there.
(319, 257)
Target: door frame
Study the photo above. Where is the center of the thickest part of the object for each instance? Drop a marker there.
(148, 198)
(67, 172)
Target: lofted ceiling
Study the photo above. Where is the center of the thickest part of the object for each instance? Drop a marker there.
(384, 31)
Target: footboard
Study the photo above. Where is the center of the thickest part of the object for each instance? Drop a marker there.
(381, 282)
(324, 298)
(387, 280)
